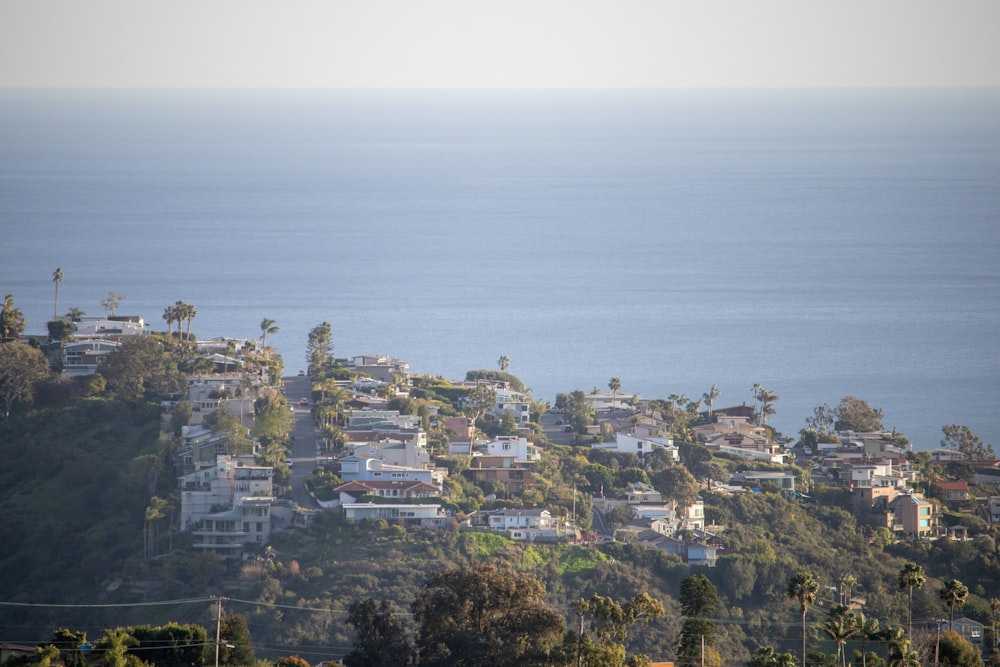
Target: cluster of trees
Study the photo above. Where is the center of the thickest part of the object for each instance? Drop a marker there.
(492, 614)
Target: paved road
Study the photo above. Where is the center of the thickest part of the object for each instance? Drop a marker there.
(303, 456)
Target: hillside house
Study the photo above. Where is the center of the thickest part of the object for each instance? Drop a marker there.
(422, 515)
(631, 444)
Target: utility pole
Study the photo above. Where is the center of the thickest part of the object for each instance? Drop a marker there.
(218, 629)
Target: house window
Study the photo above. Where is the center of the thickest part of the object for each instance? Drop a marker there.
(925, 523)
(924, 511)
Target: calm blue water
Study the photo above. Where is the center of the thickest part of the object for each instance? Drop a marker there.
(820, 243)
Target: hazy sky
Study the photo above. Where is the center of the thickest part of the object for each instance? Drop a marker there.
(499, 43)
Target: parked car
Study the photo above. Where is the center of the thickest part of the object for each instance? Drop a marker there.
(303, 401)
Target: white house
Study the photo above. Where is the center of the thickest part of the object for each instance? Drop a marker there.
(408, 454)
(222, 484)
(367, 469)
(516, 403)
(105, 327)
(511, 445)
(632, 444)
(424, 515)
(241, 486)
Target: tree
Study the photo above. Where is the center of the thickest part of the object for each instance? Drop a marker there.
(911, 576)
(953, 595)
(954, 650)
(57, 277)
(803, 587)
(709, 399)
(699, 600)
(579, 411)
(170, 316)
(236, 646)
(486, 614)
(319, 349)
(676, 483)
(854, 414)
(841, 625)
(766, 656)
(142, 368)
(111, 302)
(504, 363)
(115, 644)
(767, 400)
(614, 384)
(609, 625)
(962, 439)
(267, 327)
(22, 367)
(381, 638)
(822, 420)
(12, 321)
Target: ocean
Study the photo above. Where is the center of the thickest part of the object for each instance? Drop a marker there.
(821, 243)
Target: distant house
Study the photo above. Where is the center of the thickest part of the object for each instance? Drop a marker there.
(352, 492)
(955, 491)
(911, 515)
(235, 483)
(783, 479)
(532, 524)
(368, 469)
(632, 444)
(423, 515)
(969, 629)
(506, 471)
(510, 445)
(83, 357)
(382, 368)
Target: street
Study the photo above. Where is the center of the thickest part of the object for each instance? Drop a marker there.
(303, 457)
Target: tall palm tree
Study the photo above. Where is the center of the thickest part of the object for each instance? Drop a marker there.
(755, 391)
(170, 316)
(847, 583)
(953, 595)
(709, 399)
(503, 362)
(614, 384)
(57, 277)
(840, 626)
(267, 326)
(767, 400)
(803, 587)
(911, 576)
(189, 313)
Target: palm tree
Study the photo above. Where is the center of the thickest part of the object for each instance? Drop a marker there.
(170, 316)
(767, 399)
(74, 313)
(503, 362)
(847, 583)
(709, 399)
(267, 326)
(189, 313)
(614, 384)
(803, 587)
(911, 576)
(57, 277)
(755, 391)
(840, 626)
(953, 595)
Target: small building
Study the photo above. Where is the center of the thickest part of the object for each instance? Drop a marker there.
(631, 444)
(423, 515)
(955, 490)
